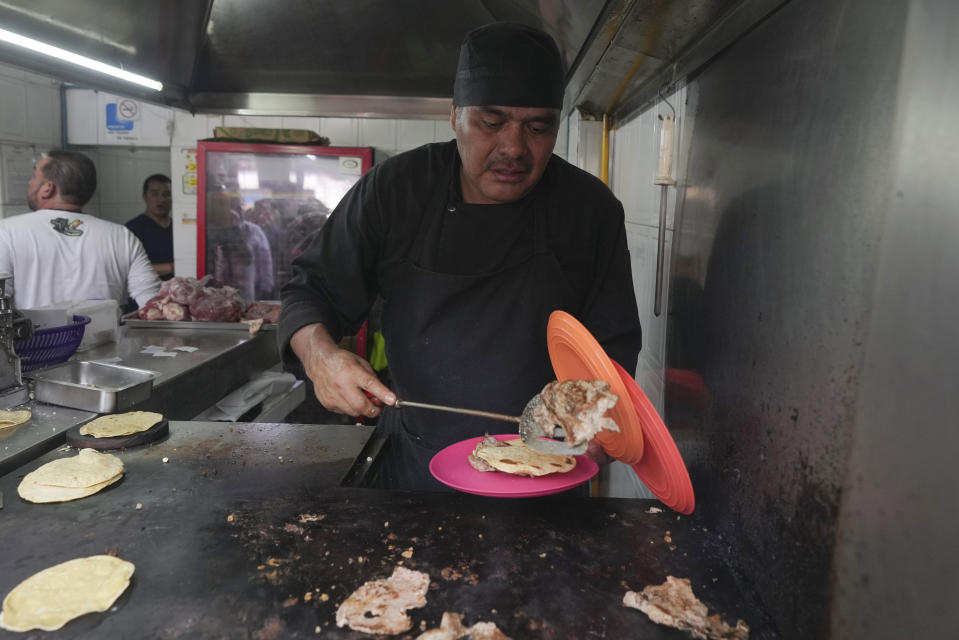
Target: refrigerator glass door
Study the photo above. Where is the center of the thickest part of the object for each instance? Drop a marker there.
(262, 205)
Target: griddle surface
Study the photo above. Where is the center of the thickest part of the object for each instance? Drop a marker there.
(230, 539)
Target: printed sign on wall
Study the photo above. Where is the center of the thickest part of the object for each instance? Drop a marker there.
(189, 162)
(97, 117)
(121, 118)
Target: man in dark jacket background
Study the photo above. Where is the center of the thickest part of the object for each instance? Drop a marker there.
(154, 227)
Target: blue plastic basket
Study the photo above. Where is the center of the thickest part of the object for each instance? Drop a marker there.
(51, 346)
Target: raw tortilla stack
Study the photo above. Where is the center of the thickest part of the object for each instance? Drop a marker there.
(71, 478)
(121, 424)
(50, 599)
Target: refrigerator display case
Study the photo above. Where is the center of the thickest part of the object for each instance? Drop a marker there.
(259, 205)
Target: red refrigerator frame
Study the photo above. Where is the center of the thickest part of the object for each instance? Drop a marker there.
(364, 153)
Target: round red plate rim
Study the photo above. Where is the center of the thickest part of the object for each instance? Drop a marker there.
(661, 457)
(566, 331)
(451, 467)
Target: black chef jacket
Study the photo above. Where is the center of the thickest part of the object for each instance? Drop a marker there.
(403, 231)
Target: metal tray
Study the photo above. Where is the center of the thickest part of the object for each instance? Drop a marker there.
(93, 386)
(131, 320)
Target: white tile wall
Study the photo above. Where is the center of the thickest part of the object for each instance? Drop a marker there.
(585, 141)
(188, 128)
(342, 132)
(13, 107)
(562, 139)
(442, 131)
(265, 122)
(29, 110)
(414, 133)
(310, 124)
(12, 72)
(82, 122)
(43, 112)
(120, 175)
(379, 133)
(29, 125)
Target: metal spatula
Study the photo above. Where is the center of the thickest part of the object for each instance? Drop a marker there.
(529, 431)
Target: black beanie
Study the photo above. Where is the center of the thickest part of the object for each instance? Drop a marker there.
(511, 65)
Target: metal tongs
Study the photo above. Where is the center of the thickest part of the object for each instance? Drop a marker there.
(529, 431)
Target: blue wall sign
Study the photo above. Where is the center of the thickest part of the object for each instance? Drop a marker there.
(115, 114)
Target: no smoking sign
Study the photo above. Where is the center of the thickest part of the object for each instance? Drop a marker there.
(127, 109)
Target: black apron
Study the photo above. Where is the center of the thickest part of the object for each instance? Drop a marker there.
(471, 341)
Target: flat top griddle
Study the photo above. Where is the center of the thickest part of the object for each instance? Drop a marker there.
(244, 520)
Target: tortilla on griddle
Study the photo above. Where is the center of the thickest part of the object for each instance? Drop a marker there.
(13, 418)
(71, 478)
(53, 597)
(121, 424)
(514, 457)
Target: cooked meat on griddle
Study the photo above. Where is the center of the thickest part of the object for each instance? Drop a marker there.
(673, 604)
(452, 628)
(578, 406)
(379, 606)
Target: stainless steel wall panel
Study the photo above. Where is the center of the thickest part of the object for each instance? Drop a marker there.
(775, 267)
(896, 561)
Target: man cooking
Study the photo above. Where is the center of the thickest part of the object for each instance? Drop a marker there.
(472, 244)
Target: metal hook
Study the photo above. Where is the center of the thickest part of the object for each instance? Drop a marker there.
(663, 98)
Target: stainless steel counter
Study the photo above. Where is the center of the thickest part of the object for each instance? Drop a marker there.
(209, 345)
(186, 384)
(44, 431)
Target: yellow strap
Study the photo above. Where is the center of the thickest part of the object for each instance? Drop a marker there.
(378, 352)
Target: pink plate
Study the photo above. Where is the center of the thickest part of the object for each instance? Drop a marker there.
(451, 467)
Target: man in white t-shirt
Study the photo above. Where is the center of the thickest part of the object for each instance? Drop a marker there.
(58, 254)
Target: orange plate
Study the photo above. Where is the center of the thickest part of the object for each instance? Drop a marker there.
(576, 355)
(662, 469)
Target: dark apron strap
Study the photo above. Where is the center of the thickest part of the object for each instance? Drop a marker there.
(470, 341)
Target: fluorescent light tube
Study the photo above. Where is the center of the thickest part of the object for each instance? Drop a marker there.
(77, 59)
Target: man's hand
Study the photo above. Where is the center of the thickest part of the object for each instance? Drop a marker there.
(340, 378)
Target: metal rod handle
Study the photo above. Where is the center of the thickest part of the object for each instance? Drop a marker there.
(660, 251)
(471, 412)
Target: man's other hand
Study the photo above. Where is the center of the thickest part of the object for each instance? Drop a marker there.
(341, 379)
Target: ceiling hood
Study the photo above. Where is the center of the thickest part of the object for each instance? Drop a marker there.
(387, 58)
